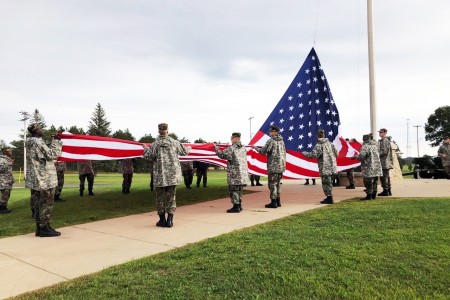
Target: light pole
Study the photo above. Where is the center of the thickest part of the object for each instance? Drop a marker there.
(250, 119)
(417, 134)
(407, 140)
(25, 117)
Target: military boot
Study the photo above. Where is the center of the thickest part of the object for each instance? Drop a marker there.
(4, 210)
(124, 190)
(127, 190)
(278, 202)
(234, 209)
(169, 220)
(374, 195)
(58, 199)
(367, 197)
(351, 186)
(240, 206)
(33, 213)
(45, 231)
(389, 192)
(272, 204)
(91, 193)
(384, 193)
(162, 220)
(81, 190)
(327, 200)
(53, 230)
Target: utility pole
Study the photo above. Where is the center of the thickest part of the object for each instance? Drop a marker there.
(417, 132)
(25, 117)
(250, 119)
(372, 89)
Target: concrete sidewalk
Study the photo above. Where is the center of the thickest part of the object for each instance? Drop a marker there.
(28, 263)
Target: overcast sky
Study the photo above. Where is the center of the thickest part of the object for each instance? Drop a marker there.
(206, 66)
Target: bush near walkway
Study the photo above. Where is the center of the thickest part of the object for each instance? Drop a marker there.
(383, 249)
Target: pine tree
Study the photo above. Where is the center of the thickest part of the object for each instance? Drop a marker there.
(99, 125)
(37, 118)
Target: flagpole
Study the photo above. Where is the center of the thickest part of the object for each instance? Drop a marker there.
(373, 101)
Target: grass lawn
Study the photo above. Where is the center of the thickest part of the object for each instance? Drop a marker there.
(108, 202)
(384, 249)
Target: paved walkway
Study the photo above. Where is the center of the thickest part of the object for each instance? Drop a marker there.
(28, 263)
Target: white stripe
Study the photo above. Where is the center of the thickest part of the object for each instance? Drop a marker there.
(100, 144)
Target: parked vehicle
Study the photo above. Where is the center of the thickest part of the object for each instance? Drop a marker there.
(428, 167)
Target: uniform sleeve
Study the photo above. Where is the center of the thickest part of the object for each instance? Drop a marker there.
(183, 150)
(363, 153)
(384, 147)
(149, 153)
(52, 152)
(3, 166)
(266, 148)
(315, 153)
(225, 154)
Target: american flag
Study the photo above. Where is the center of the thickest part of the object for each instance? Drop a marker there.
(305, 107)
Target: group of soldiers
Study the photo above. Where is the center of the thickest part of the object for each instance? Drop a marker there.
(45, 178)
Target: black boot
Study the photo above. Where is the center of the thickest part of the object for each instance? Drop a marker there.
(374, 195)
(240, 206)
(127, 191)
(278, 202)
(169, 220)
(389, 192)
(234, 209)
(162, 220)
(91, 193)
(307, 182)
(314, 182)
(4, 210)
(327, 200)
(367, 197)
(58, 199)
(124, 190)
(272, 204)
(46, 231)
(53, 230)
(384, 193)
(351, 186)
(33, 213)
(81, 193)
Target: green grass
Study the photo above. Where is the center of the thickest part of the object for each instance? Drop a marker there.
(384, 249)
(108, 202)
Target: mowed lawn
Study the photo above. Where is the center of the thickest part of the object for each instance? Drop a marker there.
(384, 249)
(108, 202)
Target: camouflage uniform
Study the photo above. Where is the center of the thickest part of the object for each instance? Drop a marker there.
(150, 167)
(276, 163)
(126, 167)
(164, 152)
(60, 169)
(85, 171)
(187, 169)
(326, 154)
(444, 150)
(237, 169)
(385, 150)
(41, 176)
(6, 179)
(370, 166)
(201, 172)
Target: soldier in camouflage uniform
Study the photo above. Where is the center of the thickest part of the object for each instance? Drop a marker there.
(370, 166)
(444, 153)
(126, 167)
(326, 154)
(201, 172)
(187, 169)
(387, 163)
(6, 179)
(164, 151)
(150, 167)
(60, 169)
(41, 177)
(86, 171)
(276, 164)
(237, 170)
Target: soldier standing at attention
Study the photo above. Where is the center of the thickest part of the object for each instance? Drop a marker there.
(6, 179)
(326, 154)
(444, 153)
(276, 164)
(41, 177)
(202, 172)
(126, 167)
(255, 178)
(187, 168)
(85, 171)
(237, 170)
(385, 150)
(60, 169)
(370, 166)
(164, 153)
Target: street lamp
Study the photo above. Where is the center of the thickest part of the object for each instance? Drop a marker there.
(417, 134)
(250, 119)
(25, 117)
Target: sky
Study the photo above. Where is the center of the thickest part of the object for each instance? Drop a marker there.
(207, 66)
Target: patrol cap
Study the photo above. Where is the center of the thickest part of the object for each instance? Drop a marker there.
(382, 130)
(236, 134)
(33, 127)
(163, 126)
(274, 128)
(367, 137)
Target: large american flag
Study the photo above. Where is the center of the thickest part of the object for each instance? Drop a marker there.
(306, 107)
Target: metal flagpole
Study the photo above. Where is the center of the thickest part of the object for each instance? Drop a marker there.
(373, 102)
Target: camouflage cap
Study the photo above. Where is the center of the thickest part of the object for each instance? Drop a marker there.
(274, 128)
(382, 130)
(236, 134)
(163, 126)
(32, 128)
(367, 137)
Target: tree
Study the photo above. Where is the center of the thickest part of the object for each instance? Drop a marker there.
(99, 125)
(184, 140)
(199, 141)
(75, 130)
(174, 136)
(124, 135)
(438, 125)
(147, 138)
(37, 117)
